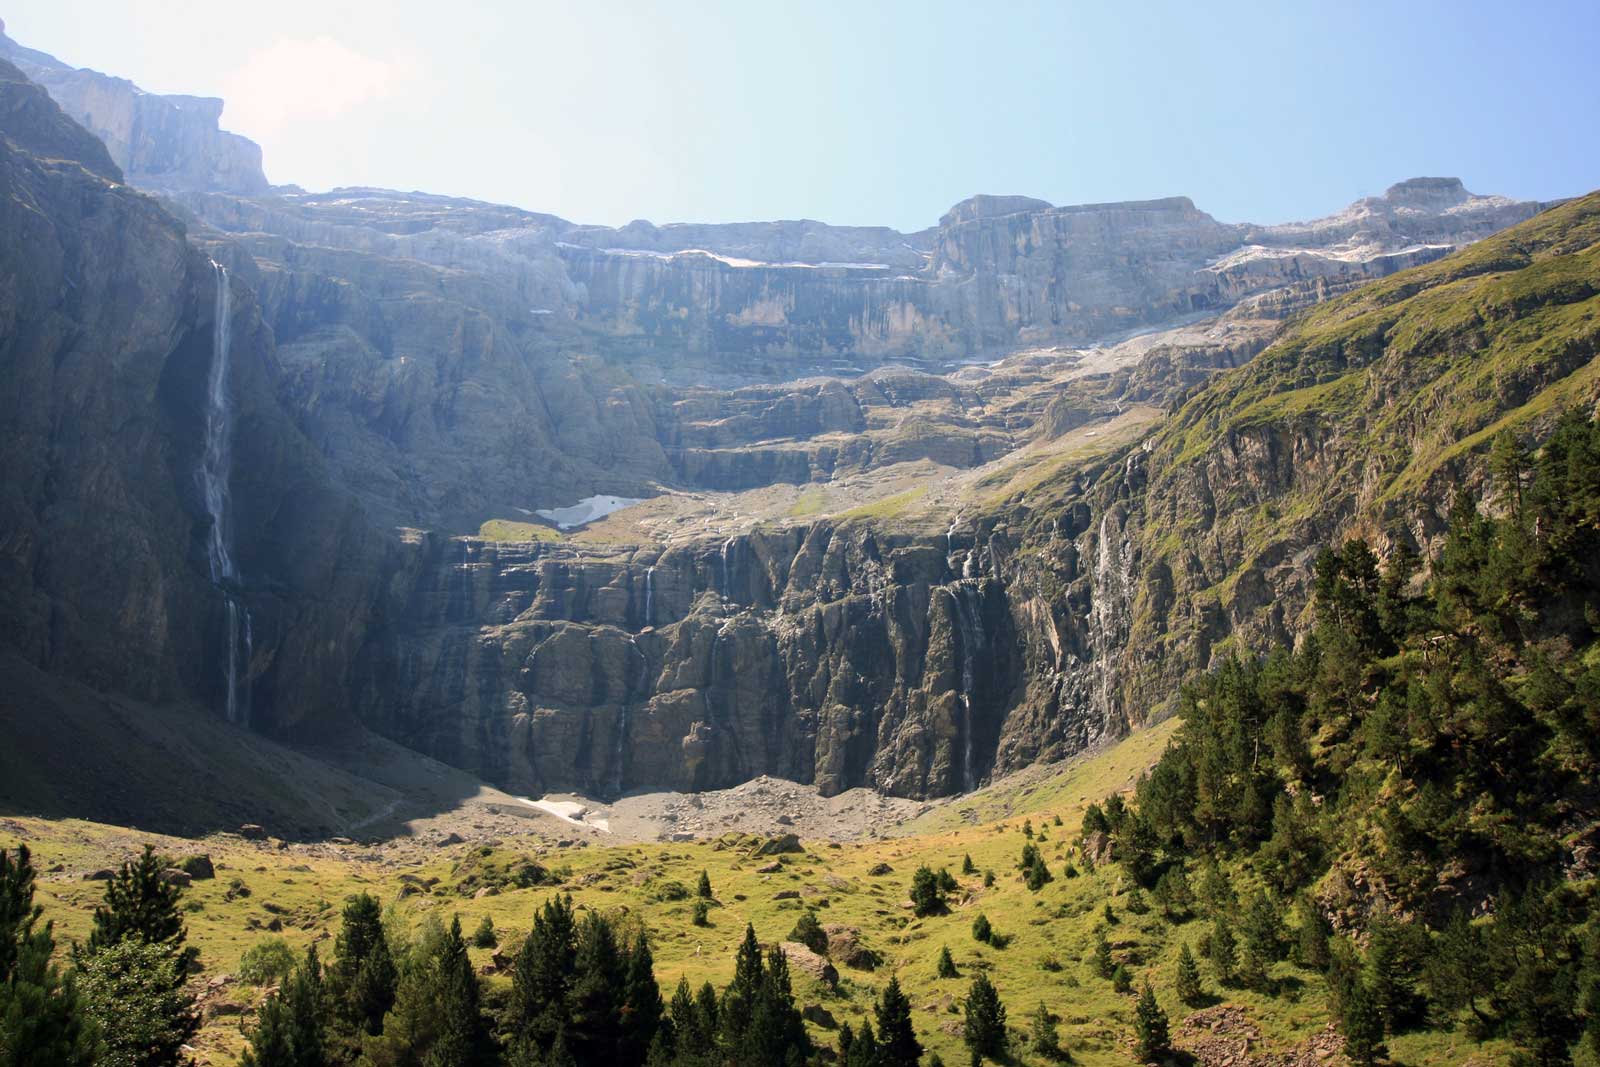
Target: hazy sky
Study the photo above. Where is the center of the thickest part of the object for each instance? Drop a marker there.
(872, 113)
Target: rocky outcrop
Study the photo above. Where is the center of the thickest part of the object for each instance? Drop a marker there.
(106, 341)
(161, 142)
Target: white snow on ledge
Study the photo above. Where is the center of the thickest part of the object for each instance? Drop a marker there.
(568, 811)
(587, 510)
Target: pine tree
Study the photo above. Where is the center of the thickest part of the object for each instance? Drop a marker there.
(863, 1051)
(642, 1009)
(985, 1020)
(1042, 1029)
(484, 936)
(703, 890)
(141, 905)
(1122, 979)
(967, 866)
(981, 930)
(289, 1030)
(1104, 965)
(927, 896)
(1362, 1026)
(1390, 973)
(136, 967)
(363, 975)
(43, 1016)
(1188, 986)
(1224, 951)
(947, 964)
(897, 1039)
(739, 1002)
(463, 1037)
(1150, 1027)
(542, 972)
(594, 1005)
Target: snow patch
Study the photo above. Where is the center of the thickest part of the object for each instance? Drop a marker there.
(589, 509)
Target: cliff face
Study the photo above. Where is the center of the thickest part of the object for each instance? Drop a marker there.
(160, 142)
(909, 576)
(106, 344)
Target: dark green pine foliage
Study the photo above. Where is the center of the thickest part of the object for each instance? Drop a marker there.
(967, 866)
(703, 889)
(542, 973)
(776, 1033)
(1104, 964)
(290, 1027)
(947, 964)
(1042, 1034)
(363, 975)
(861, 1049)
(1150, 1027)
(981, 930)
(43, 1017)
(642, 1008)
(927, 895)
(738, 1004)
(1188, 986)
(139, 904)
(594, 1004)
(1442, 715)
(897, 1038)
(463, 1036)
(985, 1020)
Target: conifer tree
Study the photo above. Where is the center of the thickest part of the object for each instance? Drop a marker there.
(1122, 979)
(642, 1009)
(542, 972)
(1042, 1030)
(363, 975)
(290, 1028)
(703, 889)
(863, 1050)
(1188, 986)
(463, 1037)
(985, 1020)
(947, 964)
(739, 1002)
(897, 1039)
(139, 904)
(967, 866)
(1362, 1026)
(1104, 965)
(1224, 951)
(981, 930)
(43, 1016)
(927, 895)
(1150, 1027)
(594, 1004)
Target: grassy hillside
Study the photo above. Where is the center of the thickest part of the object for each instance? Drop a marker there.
(1051, 933)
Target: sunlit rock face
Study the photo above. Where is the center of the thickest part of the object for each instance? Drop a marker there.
(408, 366)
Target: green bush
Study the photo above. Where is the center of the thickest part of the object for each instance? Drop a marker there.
(267, 962)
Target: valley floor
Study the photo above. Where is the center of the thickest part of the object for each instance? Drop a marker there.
(859, 854)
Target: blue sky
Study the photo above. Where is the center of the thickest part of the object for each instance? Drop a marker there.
(872, 113)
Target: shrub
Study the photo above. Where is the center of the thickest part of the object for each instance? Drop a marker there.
(267, 962)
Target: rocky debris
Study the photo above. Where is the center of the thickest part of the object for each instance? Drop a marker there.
(775, 867)
(804, 960)
(844, 945)
(251, 832)
(174, 876)
(878, 870)
(104, 874)
(1097, 847)
(786, 894)
(817, 1015)
(783, 844)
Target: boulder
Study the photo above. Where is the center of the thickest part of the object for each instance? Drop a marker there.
(804, 960)
(174, 876)
(780, 845)
(198, 867)
(251, 832)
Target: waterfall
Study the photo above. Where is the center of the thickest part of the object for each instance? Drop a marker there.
(969, 627)
(727, 585)
(216, 465)
(649, 594)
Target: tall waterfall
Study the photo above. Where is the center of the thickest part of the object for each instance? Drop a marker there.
(215, 466)
(649, 595)
(969, 624)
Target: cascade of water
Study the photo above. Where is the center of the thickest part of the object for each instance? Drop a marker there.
(970, 633)
(216, 464)
(727, 586)
(649, 595)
